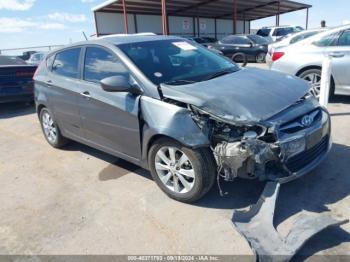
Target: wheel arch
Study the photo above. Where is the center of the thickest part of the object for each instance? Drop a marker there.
(40, 107)
(161, 119)
(315, 67)
(308, 68)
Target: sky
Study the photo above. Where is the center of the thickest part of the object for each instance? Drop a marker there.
(25, 23)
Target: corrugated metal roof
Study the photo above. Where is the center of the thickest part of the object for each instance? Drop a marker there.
(246, 10)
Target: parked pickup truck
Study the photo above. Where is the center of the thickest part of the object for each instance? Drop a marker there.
(16, 80)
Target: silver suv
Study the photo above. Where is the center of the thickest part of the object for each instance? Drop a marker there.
(305, 58)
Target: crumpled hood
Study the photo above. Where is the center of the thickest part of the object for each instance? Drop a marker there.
(248, 95)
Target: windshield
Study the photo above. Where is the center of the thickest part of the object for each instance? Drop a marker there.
(166, 61)
(258, 39)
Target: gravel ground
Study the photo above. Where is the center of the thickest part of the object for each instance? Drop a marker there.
(81, 201)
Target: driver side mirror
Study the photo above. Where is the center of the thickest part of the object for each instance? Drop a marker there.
(119, 83)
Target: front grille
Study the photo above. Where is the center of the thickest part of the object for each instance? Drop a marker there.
(296, 124)
(298, 162)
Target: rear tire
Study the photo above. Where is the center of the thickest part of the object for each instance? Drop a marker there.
(198, 165)
(51, 130)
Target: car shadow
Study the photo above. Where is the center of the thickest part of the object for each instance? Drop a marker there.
(117, 167)
(339, 99)
(10, 110)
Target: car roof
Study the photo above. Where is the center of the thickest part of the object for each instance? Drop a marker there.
(128, 39)
(276, 27)
(121, 39)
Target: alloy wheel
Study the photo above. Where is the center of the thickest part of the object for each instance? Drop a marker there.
(175, 170)
(49, 127)
(315, 81)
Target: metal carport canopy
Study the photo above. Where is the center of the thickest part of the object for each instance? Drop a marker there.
(223, 9)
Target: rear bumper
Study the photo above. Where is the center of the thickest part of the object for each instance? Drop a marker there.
(16, 98)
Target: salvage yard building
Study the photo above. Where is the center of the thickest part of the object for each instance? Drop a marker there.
(211, 18)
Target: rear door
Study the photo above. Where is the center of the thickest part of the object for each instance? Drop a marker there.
(110, 120)
(341, 63)
(63, 87)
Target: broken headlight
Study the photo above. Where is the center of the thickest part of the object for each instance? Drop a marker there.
(219, 130)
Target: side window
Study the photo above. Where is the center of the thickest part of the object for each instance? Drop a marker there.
(344, 39)
(329, 40)
(235, 40)
(67, 63)
(100, 64)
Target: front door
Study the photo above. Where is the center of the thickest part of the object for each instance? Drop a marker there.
(110, 120)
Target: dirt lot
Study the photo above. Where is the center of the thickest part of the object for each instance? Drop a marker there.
(81, 201)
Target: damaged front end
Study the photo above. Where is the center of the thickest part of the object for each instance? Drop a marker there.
(255, 150)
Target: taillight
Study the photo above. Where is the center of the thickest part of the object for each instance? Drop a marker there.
(25, 74)
(277, 55)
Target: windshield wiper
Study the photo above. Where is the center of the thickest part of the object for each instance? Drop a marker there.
(220, 73)
(179, 82)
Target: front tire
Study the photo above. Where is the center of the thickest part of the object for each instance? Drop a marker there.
(184, 174)
(50, 129)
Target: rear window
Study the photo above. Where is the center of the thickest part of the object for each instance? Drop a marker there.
(264, 32)
(67, 63)
(11, 60)
(235, 40)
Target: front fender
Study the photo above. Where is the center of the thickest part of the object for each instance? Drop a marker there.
(165, 119)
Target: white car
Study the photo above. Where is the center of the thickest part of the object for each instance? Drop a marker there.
(293, 39)
(274, 33)
(305, 59)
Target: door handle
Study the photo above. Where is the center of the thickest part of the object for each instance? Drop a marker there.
(337, 54)
(86, 94)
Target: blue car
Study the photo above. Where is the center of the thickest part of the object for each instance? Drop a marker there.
(16, 80)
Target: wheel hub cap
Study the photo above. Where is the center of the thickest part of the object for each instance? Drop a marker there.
(175, 170)
(49, 127)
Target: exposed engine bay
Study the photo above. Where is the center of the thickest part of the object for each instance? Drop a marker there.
(247, 151)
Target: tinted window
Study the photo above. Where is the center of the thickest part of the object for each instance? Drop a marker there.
(344, 39)
(264, 32)
(170, 60)
(67, 63)
(235, 40)
(100, 64)
(329, 40)
(284, 31)
(11, 60)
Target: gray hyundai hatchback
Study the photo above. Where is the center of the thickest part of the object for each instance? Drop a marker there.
(188, 115)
